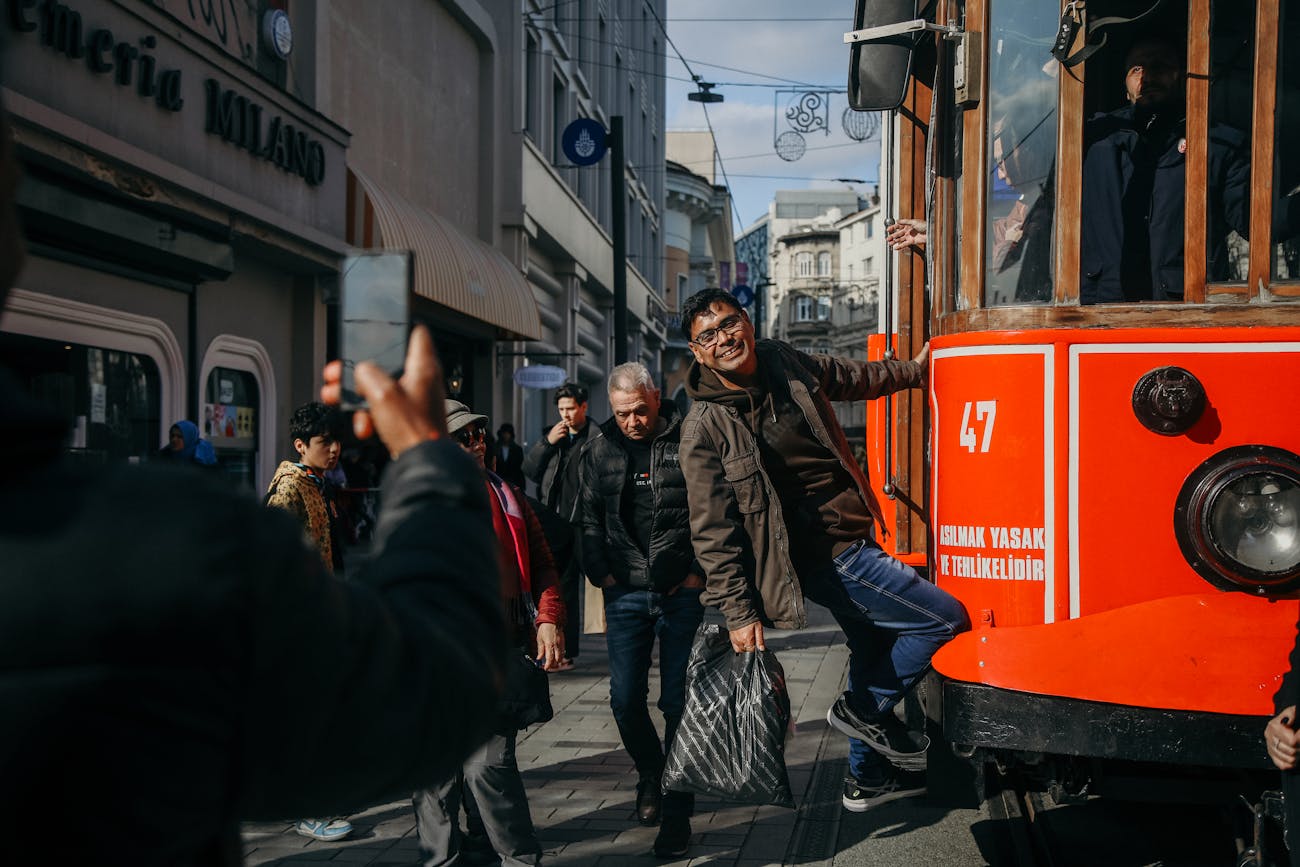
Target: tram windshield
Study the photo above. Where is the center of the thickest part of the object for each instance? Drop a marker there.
(1142, 174)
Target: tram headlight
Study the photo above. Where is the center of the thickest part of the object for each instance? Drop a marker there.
(1237, 519)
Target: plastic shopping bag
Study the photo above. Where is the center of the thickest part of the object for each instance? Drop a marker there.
(731, 741)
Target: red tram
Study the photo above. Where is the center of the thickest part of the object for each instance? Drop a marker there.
(1107, 468)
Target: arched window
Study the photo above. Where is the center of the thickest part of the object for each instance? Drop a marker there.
(803, 265)
(823, 264)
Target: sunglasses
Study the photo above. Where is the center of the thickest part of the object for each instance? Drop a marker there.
(467, 435)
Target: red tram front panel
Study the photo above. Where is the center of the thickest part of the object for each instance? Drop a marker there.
(1037, 431)
(993, 481)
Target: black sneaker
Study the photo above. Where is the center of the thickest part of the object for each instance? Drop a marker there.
(648, 798)
(674, 837)
(903, 748)
(860, 797)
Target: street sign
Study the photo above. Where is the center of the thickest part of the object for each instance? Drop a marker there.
(583, 142)
(541, 376)
(743, 294)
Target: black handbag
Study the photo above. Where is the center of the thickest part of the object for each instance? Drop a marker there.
(526, 699)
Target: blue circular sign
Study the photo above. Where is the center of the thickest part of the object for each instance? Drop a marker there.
(583, 142)
(743, 294)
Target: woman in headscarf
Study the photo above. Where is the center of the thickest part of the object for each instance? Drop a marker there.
(184, 446)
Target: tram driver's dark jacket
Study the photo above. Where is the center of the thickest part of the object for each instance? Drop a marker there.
(1117, 145)
(1289, 692)
(608, 548)
(175, 659)
(740, 534)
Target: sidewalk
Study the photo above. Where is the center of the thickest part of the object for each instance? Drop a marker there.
(582, 787)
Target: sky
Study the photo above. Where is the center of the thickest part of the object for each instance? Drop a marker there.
(769, 39)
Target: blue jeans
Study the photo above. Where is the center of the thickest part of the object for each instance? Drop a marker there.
(633, 618)
(894, 620)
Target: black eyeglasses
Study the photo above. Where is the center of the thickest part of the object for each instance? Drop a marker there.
(467, 435)
(709, 336)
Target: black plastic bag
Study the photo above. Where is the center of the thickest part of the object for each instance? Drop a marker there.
(731, 741)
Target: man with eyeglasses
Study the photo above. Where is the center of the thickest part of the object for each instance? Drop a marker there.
(780, 511)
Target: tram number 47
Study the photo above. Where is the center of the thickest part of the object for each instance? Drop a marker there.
(986, 411)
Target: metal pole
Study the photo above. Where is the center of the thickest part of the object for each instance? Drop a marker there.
(618, 211)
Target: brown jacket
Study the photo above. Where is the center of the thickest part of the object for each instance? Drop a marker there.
(737, 529)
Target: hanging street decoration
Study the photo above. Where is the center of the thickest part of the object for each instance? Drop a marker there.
(800, 113)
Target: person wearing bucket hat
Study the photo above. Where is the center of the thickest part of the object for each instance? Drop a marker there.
(489, 782)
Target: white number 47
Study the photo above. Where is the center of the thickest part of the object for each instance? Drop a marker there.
(985, 411)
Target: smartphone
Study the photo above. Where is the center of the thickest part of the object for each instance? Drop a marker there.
(374, 315)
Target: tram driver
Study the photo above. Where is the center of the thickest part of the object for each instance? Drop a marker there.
(1134, 186)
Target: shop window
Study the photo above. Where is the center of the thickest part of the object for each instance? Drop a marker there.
(110, 399)
(230, 421)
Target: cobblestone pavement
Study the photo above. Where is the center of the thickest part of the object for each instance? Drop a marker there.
(581, 784)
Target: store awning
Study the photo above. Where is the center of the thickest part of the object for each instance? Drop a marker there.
(451, 267)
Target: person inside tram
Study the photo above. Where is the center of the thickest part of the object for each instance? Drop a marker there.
(1024, 164)
(1134, 186)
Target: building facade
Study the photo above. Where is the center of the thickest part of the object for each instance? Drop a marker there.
(699, 250)
(184, 204)
(596, 59)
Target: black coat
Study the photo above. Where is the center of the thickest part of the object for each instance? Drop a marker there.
(1108, 167)
(607, 546)
(511, 468)
(554, 467)
(174, 655)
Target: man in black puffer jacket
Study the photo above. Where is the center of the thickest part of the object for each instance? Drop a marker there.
(636, 545)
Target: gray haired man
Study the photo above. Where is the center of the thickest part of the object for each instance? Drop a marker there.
(636, 546)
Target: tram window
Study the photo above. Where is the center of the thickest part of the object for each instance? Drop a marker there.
(1134, 170)
(1286, 181)
(1232, 67)
(1022, 145)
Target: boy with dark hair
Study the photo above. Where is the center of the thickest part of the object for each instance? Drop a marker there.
(780, 511)
(552, 463)
(300, 486)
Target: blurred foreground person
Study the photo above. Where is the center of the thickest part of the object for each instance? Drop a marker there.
(489, 784)
(175, 659)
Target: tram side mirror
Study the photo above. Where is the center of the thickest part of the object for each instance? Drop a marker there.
(881, 62)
